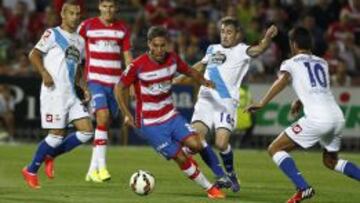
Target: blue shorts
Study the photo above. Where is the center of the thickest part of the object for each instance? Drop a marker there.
(103, 98)
(166, 138)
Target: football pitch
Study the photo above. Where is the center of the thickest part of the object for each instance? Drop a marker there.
(261, 181)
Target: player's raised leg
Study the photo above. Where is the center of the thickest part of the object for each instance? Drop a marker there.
(278, 150)
(227, 155)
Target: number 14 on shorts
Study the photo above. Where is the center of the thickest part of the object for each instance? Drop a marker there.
(224, 117)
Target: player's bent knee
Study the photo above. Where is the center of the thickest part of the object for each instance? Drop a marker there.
(221, 146)
(271, 149)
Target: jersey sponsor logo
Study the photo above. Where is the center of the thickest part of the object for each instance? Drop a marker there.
(72, 54)
(106, 43)
(296, 129)
(161, 87)
(49, 118)
(218, 58)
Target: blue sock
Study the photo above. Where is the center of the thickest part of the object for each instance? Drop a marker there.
(228, 159)
(210, 158)
(287, 165)
(46, 147)
(69, 143)
(348, 169)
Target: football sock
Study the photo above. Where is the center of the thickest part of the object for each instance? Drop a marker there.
(47, 146)
(71, 141)
(348, 168)
(284, 161)
(93, 163)
(210, 158)
(195, 174)
(100, 142)
(227, 157)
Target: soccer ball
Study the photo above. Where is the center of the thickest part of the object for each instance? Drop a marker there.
(142, 182)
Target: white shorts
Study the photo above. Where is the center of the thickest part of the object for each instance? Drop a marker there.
(307, 133)
(215, 114)
(58, 110)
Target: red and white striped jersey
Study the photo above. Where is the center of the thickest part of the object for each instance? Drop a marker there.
(104, 48)
(152, 82)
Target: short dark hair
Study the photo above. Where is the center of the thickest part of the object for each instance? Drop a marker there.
(157, 31)
(229, 20)
(302, 37)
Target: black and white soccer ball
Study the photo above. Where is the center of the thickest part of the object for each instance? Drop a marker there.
(142, 182)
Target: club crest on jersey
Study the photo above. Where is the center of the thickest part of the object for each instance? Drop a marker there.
(218, 58)
(296, 128)
(49, 118)
(72, 54)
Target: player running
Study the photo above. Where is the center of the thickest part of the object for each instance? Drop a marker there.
(226, 65)
(107, 43)
(156, 117)
(56, 57)
(323, 120)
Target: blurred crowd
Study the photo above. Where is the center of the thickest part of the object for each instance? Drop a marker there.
(193, 25)
(334, 24)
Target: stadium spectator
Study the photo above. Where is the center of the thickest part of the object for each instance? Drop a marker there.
(6, 47)
(340, 78)
(107, 48)
(338, 29)
(158, 12)
(349, 52)
(18, 25)
(7, 118)
(333, 58)
(353, 9)
(156, 117)
(12, 4)
(21, 67)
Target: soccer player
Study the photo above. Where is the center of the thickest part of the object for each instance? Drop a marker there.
(225, 64)
(56, 57)
(107, 43)
(156, 117)
(323, 120)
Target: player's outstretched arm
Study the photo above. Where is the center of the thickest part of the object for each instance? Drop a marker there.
(256, 50)
(36, 59)
(184, 79)
(276, 88)
(120, 91)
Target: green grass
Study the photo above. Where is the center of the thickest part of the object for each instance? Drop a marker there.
(261, 181)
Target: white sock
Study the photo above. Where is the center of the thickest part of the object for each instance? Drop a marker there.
(101, 139)
(53, 140)
(196, 175)
(340, 165)
(93, 163)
